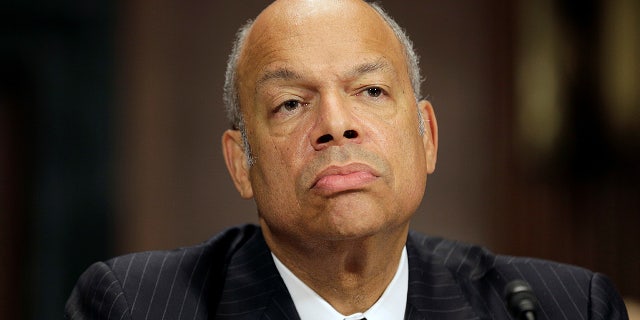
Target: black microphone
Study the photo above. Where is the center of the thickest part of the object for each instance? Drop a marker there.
(520, 300)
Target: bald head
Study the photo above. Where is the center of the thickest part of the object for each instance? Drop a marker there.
(293, 20)
(309, 23)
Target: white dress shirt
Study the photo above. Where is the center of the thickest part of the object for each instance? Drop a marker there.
(311, 306)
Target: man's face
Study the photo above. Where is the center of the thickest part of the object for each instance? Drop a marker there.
(332, 122)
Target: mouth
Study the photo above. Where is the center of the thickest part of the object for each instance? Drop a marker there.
(349, 177)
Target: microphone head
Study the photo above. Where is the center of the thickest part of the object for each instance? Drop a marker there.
(520, 299)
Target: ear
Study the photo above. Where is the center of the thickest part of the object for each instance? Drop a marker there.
(237, 162)
(430, 138)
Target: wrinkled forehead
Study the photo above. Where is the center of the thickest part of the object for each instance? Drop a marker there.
(298, 29)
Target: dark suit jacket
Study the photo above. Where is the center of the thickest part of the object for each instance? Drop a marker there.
(232, 276)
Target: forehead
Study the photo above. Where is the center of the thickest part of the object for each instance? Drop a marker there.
(316, 36)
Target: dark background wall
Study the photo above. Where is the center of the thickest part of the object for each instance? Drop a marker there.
(111, 117)
(56, 154)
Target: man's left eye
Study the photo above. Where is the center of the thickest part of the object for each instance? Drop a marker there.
(373, 92)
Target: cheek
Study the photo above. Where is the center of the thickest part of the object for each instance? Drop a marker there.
(278, 162)
(404, 149)
(287, 153)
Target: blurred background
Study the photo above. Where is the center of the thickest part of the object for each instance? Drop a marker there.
(111, 117)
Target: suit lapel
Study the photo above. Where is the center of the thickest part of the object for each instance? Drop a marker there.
(281, 307)
(434, 290)
(411, 313)
(253, 287)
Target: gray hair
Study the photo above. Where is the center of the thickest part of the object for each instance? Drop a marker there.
(232, 100)
(230, 94)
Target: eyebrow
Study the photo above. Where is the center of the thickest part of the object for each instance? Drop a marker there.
(286, 74)
(278, 74)
(370, 67)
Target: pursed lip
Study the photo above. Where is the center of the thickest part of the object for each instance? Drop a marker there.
(338, 178)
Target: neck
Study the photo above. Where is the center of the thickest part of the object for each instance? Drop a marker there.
(351, 274)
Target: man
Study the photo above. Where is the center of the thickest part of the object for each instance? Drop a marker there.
(333, 142)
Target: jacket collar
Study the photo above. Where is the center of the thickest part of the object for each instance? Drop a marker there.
(253, 287)
(436, 291)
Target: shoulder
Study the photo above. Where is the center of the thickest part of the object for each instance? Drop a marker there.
(473, 262)
(564, 291)
(154, 284)
(185, 261)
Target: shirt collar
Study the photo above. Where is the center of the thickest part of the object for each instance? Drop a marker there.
(311, 306)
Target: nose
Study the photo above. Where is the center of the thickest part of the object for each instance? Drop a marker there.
(335, 124)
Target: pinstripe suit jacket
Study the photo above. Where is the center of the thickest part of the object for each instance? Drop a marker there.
(232, 276)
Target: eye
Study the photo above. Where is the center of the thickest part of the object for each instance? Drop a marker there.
(374, 92)
(290, 105)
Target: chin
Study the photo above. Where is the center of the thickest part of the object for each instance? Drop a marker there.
(354, 226)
